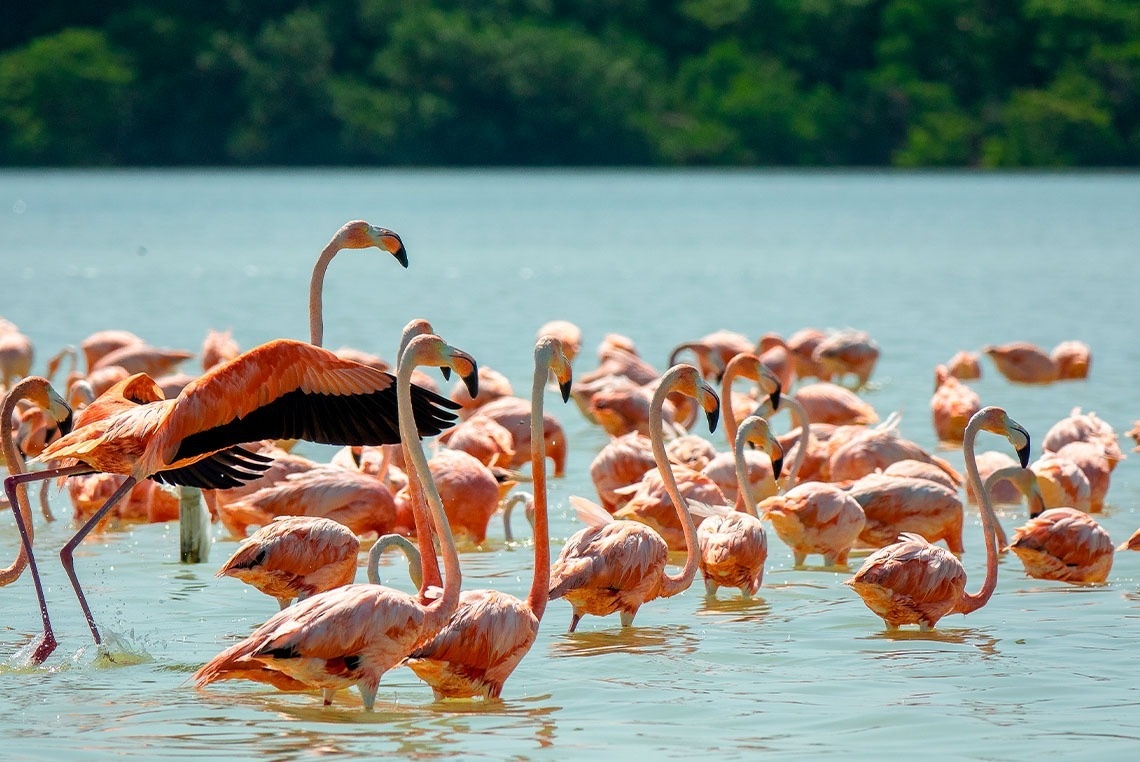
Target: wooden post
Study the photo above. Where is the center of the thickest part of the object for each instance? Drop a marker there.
(194, 526)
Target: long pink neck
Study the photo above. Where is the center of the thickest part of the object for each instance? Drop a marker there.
(799, 416)
(540, 585)
(15, 463)
(438, 611)
(973, 602)
(742, 487)
(731, 425)
(672, 585)
(316, 294)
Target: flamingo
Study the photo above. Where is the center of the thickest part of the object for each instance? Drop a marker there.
(722, 468)
(848, 351)
(914, 582)
(714, 351)
(356, 234)
(281, 389)
(815, 517)
(490, 632)
(143, 358)
(964, 366)
(295, 557)
(357, 500)
(622, 462)
(1063, 483)
(103, 342)
(1025, 482)
(1072, 359)
(492, 386)
(895, 505)
(733, 544)
(352, 635)
(801, 345)
(1064, 544)
(1022, 362)
(513, 414)
(952, 406)
(619, 565)
(37, 390)
(16, 353)
(826, 402)
(219, 347)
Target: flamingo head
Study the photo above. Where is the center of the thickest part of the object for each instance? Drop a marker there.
(359, 234)
(755, 432)
(549, 352)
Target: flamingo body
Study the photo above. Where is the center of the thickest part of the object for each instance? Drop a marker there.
(1066, 545)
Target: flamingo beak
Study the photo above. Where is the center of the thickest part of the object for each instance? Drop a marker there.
(401, 255)
(774, 398)
(61, 413)
(471, 381)
(445, 372)
(712, 409)
(394, 245)
(564, 388)
(777, 465)
(1023, 451)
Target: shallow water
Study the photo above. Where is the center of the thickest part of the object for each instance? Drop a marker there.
(928, 264)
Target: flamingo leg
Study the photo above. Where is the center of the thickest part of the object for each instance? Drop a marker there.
(67, 555)
(47, 642)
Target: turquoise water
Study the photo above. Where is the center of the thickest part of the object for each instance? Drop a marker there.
(927, 263)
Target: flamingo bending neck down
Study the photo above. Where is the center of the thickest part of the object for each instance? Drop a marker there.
(283, 389)
(914, 582)
(619, 565)
(357, 234)
(490, 632)
(352, 635)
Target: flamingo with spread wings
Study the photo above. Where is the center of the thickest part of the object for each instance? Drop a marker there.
(352, 635)
(283, 389)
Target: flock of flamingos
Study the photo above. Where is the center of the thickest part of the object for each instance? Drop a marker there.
(840, 480)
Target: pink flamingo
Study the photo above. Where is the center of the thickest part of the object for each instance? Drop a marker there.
(952, 406)
(295, 557)
(733, 544)
(1072, 359)
(1065, 545)
(895, 505)
(37, 390)
(279, 390)
(352, 635)
(802, 346)
(848, 352)
(964, 366)
(914, 582)
(815, 517)
(490, 632)
(568, 334)
(16, 354)
(620, 565)
(1022, 362)
(1062, 482)
(622, 462)
(826, 402)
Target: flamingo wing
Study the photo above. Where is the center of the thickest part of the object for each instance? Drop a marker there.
(292, 390)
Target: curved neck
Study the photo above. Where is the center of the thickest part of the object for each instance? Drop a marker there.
(742, 487)
(316, 294)
(799, 416)
(540, 585)
(438, 611)
(672, 585)
(727, 413)
(415, 568)
(973, 602)
(15, 462)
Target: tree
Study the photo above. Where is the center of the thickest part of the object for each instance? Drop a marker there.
(64, 99)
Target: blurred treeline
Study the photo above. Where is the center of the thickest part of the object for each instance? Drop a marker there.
(965, 83)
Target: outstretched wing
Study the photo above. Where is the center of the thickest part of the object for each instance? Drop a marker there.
(289, 389)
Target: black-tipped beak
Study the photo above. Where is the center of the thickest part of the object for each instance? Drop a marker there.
(401, 255)
(471, 381)
(713, 416)
(65, 425)
(774, 398)
(777, 467)
(564, 387)
(445, 371)
(1023, 452)
(1023, 455)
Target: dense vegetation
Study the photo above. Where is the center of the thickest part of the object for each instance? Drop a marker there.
(993, 83)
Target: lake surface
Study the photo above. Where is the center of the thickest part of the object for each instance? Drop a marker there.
(926, 263)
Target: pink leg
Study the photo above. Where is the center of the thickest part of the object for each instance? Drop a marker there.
(67, 555)
(47, 642)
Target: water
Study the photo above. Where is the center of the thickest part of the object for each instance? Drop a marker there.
(928, 264)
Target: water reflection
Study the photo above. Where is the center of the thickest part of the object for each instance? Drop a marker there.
(746, 609)
(633, 640)
(984, 642)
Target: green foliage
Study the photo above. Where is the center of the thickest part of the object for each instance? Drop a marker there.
(914, 83)
(64, 99)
